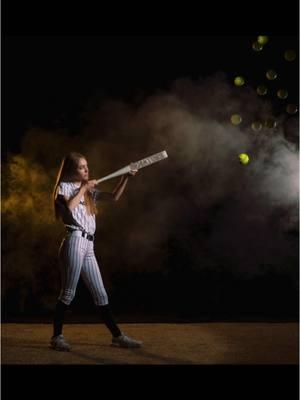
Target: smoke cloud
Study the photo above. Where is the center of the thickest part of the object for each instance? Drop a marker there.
(217, 211)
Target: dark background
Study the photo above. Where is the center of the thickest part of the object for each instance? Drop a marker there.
(51, 77)
(221, 19)
(61, 74)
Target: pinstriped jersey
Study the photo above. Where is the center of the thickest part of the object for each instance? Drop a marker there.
(79, 213)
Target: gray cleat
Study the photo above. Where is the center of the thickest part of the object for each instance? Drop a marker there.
(59, 343)
(126, 341)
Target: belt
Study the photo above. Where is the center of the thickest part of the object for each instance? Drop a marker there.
(82, 233)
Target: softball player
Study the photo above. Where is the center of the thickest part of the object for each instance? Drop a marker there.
(75, 200)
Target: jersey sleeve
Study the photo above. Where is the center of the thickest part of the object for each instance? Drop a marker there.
(64, 189)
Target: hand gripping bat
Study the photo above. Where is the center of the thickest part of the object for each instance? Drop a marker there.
(145, 162)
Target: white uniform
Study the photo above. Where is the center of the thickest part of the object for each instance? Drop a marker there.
(76, 253)
(87, 222)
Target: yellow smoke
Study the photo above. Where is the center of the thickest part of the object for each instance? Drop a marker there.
(29, 259)
(27, 192)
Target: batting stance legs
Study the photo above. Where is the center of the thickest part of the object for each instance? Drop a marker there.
(77, 257)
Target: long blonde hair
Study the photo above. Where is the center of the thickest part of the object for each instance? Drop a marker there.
(67, 173)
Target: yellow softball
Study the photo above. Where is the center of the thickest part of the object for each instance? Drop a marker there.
(244, 158)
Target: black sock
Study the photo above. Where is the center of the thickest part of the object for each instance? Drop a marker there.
(109, 321)
(59, 315)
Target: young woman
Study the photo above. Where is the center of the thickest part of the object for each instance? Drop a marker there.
(75, 198)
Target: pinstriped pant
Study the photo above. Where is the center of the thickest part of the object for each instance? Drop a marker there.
(76, 257)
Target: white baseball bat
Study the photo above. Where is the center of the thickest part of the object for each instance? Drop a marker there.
(145, 162)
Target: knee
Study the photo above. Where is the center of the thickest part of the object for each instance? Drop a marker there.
(66, 296)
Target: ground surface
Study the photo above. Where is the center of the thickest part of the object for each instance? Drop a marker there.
(195, 343)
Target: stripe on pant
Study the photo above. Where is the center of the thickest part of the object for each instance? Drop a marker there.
(77, 257)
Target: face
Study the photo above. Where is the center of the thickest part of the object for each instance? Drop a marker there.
(82, 169)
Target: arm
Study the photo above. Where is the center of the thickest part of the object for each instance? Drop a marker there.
(74, 201)
(116, 193)
(118, 190)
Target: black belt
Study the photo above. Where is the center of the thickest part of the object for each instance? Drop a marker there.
(84, 234)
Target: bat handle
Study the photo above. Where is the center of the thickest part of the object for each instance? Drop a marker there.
(120, 172)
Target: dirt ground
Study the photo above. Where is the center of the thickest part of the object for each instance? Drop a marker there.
(195, 343)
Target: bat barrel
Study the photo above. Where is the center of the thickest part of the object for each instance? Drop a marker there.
(136, 165)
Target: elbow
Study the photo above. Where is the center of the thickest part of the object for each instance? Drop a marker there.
(115, 197)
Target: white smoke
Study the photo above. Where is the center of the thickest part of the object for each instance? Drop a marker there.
(247, 207)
